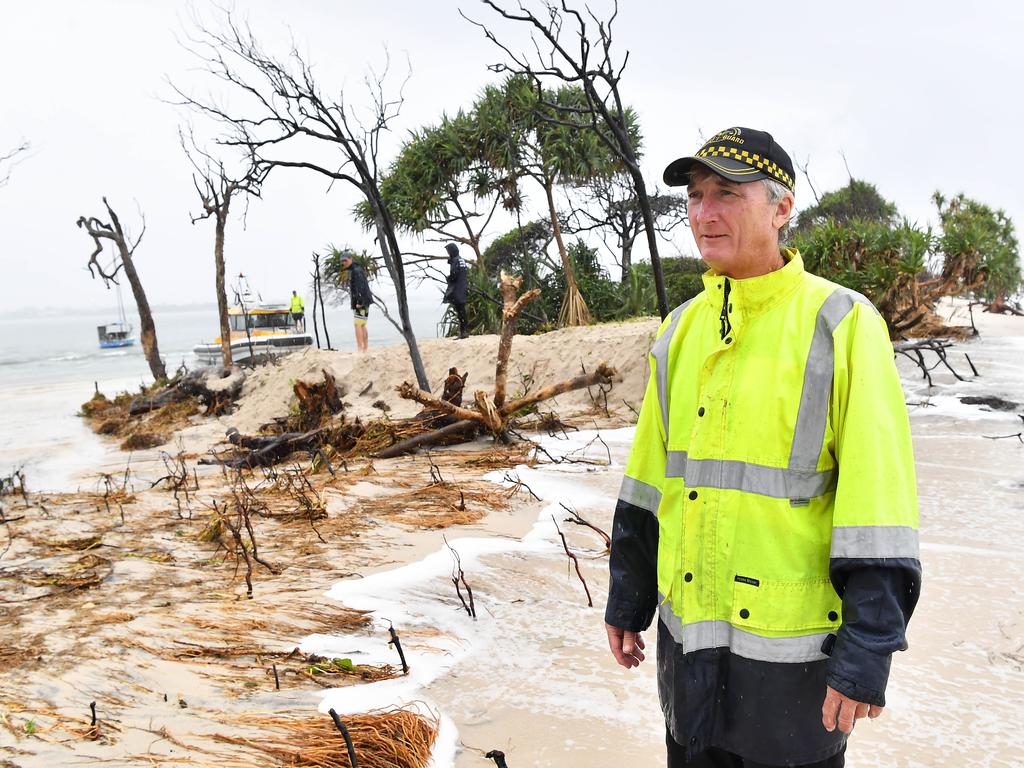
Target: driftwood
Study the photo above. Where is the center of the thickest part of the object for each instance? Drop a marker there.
(575, 562)
(457, 431)
(215, 388)
(435, 418)
(267, 451)
(914, 350)
(492, 412)
(317, 403)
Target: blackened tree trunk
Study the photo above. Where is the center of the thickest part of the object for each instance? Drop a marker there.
(222, 298)
(217, 188)
(99, 231)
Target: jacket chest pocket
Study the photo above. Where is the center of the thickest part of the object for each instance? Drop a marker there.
(785, 606)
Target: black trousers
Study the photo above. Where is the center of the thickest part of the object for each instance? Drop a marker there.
(718, 758)
(460, 311)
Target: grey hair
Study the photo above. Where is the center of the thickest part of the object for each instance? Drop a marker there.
(776, 193)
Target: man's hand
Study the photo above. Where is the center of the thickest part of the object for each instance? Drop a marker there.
(843, 711)
(627, 647)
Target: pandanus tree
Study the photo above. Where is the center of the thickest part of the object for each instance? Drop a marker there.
(440, 185)
(523, 137)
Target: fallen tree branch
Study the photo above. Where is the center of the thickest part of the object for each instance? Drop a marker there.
(459, 577)
(577, 519)
(575, 562)
(602, 375)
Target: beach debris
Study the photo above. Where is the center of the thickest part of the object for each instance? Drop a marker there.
(242, 504)
(178, 481)
(438, 504)
(59, 574)
(498, 757)
(321, 665)
(146, 420)
(118, 495)
(1018, 435)
(14, 484)
(990, 401)
(317, 403)
(494, 412)
(914, 351)
(400, 737)
(577, 519)
(575, 562)
(459, 578)
(216, 388)
(345, 735)
(454, 385)
(518, 485)
(397, 643)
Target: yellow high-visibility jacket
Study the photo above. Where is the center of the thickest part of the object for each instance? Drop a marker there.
(768, 513)
(298, 305)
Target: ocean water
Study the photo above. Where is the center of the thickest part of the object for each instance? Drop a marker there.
(51, 363)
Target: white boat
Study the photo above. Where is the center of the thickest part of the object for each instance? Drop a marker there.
(257, 328)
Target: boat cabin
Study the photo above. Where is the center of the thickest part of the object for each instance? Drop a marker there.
(115, 335)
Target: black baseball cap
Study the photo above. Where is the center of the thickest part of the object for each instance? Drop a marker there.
(737, 154)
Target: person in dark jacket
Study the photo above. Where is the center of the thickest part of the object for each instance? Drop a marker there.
(458, 287)
(359, 292)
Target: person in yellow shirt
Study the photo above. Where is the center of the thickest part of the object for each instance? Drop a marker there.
(768, 511)
(298, 312)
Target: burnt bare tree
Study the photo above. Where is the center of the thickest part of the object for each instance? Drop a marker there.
(610, 208)
(284, 114)
(217, 189)
(9, 160)
(576, 47)
(123, 260)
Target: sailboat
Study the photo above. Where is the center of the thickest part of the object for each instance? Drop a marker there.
(117, 334)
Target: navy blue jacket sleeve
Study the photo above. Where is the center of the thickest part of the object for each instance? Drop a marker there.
(633, 565)
(879, 596)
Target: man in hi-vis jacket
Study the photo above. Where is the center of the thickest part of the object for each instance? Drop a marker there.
(768, 513)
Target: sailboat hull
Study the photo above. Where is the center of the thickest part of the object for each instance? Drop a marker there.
(116, 343)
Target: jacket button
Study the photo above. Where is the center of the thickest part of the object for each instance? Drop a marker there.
(693, 740)
(832, 616)
(744, 613)
(700, 411)
(728, 341)
(687, 576)
(730, 307)
(693, 495)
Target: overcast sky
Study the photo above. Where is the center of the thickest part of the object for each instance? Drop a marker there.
(918, 95)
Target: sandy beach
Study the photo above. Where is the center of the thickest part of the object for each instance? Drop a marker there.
(120, 595)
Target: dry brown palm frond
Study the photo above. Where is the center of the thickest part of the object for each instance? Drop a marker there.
(395, 738)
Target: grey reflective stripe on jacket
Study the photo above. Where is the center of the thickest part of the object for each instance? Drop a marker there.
(700, 635)
(640, 494)
(818, 373)
(750, 478)
(660, 354)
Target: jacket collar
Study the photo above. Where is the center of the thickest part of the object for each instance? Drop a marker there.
(754, 295)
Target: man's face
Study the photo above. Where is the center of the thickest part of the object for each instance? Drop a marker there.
(735, 227)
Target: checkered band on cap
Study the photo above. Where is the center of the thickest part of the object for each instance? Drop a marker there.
(752, 159)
